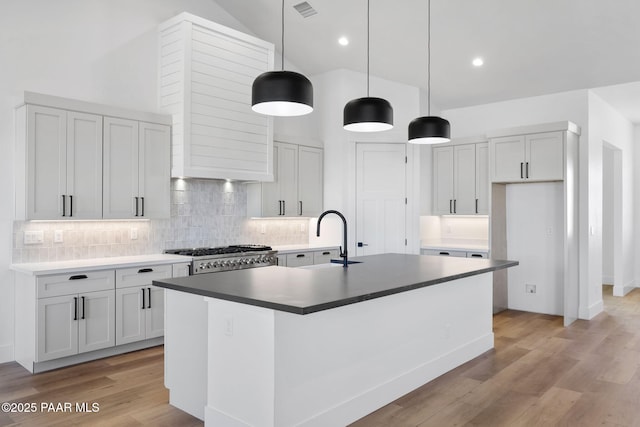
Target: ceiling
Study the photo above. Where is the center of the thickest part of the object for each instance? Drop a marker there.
(530, 47)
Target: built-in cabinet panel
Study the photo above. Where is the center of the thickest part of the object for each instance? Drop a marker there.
(308, 257)
(533, 157)
(136, 169)
(206, 75)
(460, 183)
(80, 165)
(63, 164)
(297, 190)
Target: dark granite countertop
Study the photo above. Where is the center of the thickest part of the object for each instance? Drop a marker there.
(305, 291)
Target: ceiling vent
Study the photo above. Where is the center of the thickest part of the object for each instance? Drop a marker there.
(305, 9)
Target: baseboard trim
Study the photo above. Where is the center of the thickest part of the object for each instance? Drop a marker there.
(592, 311)
(6, 353)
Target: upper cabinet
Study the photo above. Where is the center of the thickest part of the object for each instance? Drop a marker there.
(460, 181)
(63, 151)
(75, 161)
(297, 188)
(206, 74)
(136, 169)
(532, 157)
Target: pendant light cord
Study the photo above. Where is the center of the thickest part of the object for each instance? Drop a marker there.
(368, 48)
(429, 58)
(282, 32)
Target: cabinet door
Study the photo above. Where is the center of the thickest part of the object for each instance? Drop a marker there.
(507, 159)
(46, 162)
(130, 316)
(120, 191)
(84, 166)
(271, 201)
(96, 323)
(464, 179)
(545, 157)
(57, 327)
(442, 180)
(482, 179)
(154, 170)
(288, 178)
(154, 312)
(310, 176)
(299, 259)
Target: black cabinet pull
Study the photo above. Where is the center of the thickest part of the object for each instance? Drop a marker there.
(444, 253)
(75, 308)
(279, 207)
(143, 299)
(300, 207)
(527, 169)
(450, 206)
(82, 308)
(78, 277)
(521, 170)
(64, 205)
(326, 253)
(145, 270)
(70, 205)
(476, 205)
(454, 205)
(149, 303)
(284, 207)
(142, 205)
(136, 200)
(300, 256)
(476, 256)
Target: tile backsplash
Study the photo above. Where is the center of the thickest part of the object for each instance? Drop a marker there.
(203, 213)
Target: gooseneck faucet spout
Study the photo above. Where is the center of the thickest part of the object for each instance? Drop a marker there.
(343, 254)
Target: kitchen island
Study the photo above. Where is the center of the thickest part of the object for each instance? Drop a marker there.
(285, 346)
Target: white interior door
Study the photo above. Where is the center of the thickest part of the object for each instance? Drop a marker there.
(380, 198)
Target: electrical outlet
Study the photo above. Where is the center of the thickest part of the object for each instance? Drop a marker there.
(530, 289)
(134, 234)
(58, 236)
(263, 228)
(33, 237)
(228, 326)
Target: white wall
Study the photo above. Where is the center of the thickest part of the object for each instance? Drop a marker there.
(93, 50)
(636, 180)
(607, 215)
(607, 126)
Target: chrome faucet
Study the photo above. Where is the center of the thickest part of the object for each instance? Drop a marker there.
(345, 261)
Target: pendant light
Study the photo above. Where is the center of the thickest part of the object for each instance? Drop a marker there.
(282, 93)
(368, 114)
(429, 129)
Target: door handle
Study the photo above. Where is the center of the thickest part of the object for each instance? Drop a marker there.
(70, 205)
(454, 205)
(300, 207)
(450, 206)
(75, 308)
(476, 205)
(284, 207)
(142, 205)
(280, 207)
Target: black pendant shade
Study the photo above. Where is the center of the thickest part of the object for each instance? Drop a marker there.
(282, 93)
(429, 130)
(368, 114)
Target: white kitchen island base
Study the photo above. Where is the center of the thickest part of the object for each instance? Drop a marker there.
(268, 367)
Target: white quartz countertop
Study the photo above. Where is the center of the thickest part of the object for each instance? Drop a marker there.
(42, 268)
(284, 249)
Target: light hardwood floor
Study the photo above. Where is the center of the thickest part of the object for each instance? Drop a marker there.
(539, 374)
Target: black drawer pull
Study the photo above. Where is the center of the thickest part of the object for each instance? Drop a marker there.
(326, 253)
(145, 270)
(476, 256)
(444, 253)
(300, 256)
(78, 277)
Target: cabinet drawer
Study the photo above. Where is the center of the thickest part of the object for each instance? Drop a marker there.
(477, 255)
(323, 257)
(141, 276)
(299, 259)
(443, 252)
(75, 283)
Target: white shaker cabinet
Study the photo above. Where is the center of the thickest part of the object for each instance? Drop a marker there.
(532, 157)
(460, 185)
(297, 189)
(73, 316)
(59, 171)
(139, 305)
(136, 169)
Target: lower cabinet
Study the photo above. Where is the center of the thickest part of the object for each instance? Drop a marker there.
(307, 257)
(456, 253)
(139, 305)
(72, 324)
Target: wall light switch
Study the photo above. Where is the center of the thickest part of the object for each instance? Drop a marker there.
(134, 234)
(58, 236)
(33, 237)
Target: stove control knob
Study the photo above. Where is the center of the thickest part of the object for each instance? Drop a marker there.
(252, 261)
(201, 266)
(215, 265)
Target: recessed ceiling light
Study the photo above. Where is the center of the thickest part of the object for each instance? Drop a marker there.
(477, 62)
(343, 41)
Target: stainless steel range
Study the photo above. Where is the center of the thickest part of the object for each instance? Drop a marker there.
(235, 257)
